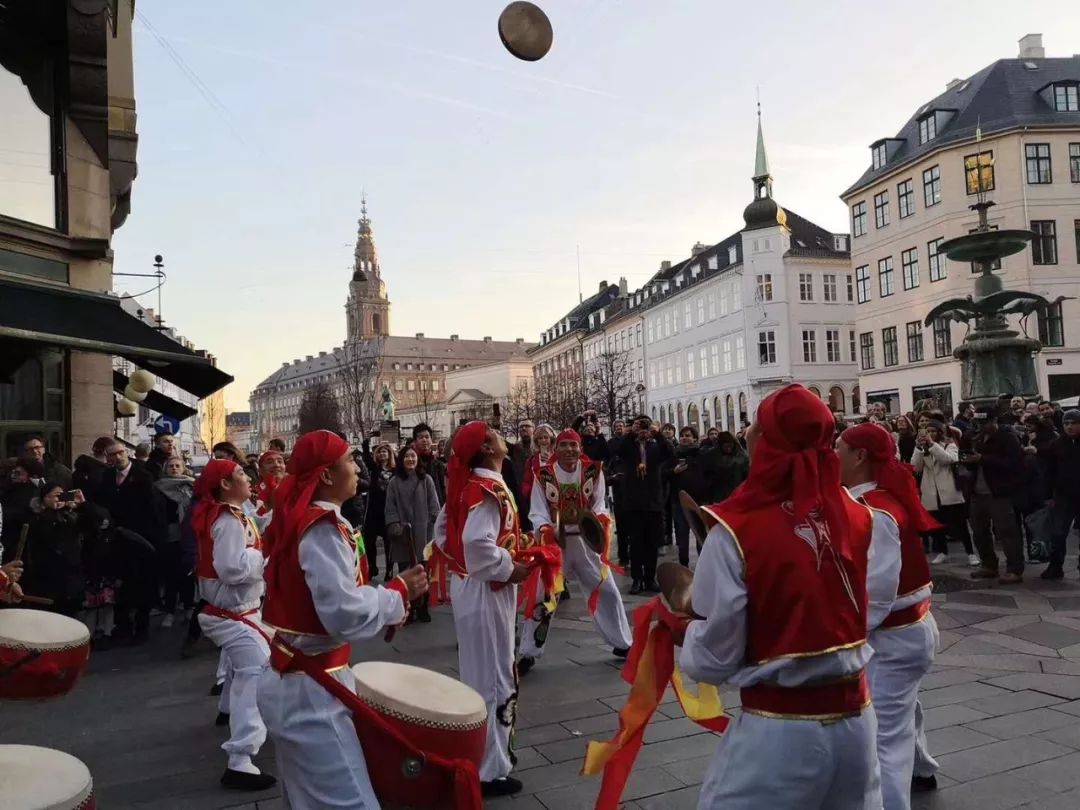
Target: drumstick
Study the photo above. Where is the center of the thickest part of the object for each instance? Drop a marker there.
(21, 547)
(36, 600)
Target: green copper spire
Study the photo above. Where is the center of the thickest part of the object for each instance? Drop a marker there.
(761, 159)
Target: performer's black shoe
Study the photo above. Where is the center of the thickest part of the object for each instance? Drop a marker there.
(215, 690)
(222, 719)
(1053, 572)
(636, 587)
(423, 615)
(507, 786)
(923, 784)
(525, 663)
(621, 652)
(239, 780)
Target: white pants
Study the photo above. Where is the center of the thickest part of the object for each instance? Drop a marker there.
(794, 765)
(319, 759)
(925, 765)
(223, 677)
(901, 658)
(484, 621)
(583, 564)
(247, 652)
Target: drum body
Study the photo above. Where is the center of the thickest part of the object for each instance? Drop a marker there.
(41, 654)
(435, 713)
(36, 778)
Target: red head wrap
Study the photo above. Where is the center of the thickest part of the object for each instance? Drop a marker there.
(891, 474)
(568, 435)
(464, 447)
(207, 506)
(313, 454)
(269, 454)
(793, 460)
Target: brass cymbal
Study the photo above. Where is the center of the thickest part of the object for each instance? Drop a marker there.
(592, 532)
(695, 519)
(525, 31)
(676, 582)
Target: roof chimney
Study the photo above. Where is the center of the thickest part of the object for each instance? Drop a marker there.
(419, 334)
(697, 249)
(951, 83)
(603, 285)
(309, 357)
(1031, 47)
(665, 265)
(519, 341)
(623, 289)
(322, 354)
(453, 337)
(487, 338)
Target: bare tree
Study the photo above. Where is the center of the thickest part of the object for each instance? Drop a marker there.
(212, 424)
(518, 405)
(611, 389)
(559, 399)
(360, 367)
(319, 410)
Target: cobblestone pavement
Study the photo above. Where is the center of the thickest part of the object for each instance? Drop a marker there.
(1002, 708)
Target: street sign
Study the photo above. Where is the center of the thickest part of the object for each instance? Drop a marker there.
(167, 424)
(1053, 361)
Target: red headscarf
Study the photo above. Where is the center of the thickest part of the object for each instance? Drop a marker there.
(568, 435)
(208, 507)
(794, 460)
(464, 447)
(313, 453)
(265, 491)
(891, 474)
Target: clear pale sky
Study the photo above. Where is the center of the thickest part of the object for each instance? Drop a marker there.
(633, 139)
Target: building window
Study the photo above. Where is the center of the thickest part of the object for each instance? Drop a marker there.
(850, 289)
(1044, 245)
(701, 310)
(809, 346)
(979, 172)
(866, 350)
(880, 155)
(862, 280)
(1074, 162)
(30, 190)
(1038, 163)
(858, 218)
(727, 356)
(740, 352)
(397, 385)
(936, 260)
(942, 338)
(686, 316)
(881, 209)
(905, 193)
(886, 286)
(764, 287)
(829, 286)
(689, 366)
(766, 348)
(1067, 97)
(909, 263)
(1076, 237)
(1052, 326)
(927, 128)
(806, 287)
(914, 342)
(889, 346)
(714, 354)
(851, 345)
(434, 385)
(931, 186)
(703, 358)
(832, 345)
(651, 334)
(712, 305)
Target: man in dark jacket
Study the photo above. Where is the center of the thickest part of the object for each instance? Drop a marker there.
(644, 455)
(998, 463)
(613, 475)
(164, 449)
(428, 461)
(1061, 471)
(34, 450)
(685, 474)
(593, 443)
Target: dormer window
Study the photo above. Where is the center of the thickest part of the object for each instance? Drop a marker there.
(927, 128)
(732, 254)
(880, 155)
(1067, 97)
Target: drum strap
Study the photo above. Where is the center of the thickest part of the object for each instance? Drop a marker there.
(221, 613)
(465, 776)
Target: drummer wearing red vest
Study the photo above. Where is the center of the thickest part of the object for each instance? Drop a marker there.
(476, 536)
(905, 639)
(318, 601)
(230, 572)
(781, 584)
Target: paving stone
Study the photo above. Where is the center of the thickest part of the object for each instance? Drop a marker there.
(955, 738)
(1002, 623)
(529, 757)
(975, 763)
(1002, 791)
(995, 600)
(540, 734)
(538, 714)
(1058, 666)
(1072, 707)
(960, 693)
(1065, 602)
(670, 729)
(947, 677)
(1064, 686)
(1010, 642)
(566, 750)
(1047, 634)
(690, 771)
(1056, 774)
(1021, 724)
(600, 725)
(952, 714)
(1065, 735)
(643, 782)
(961, 618)
(1005, 662)
(982, 644)
(661, 753)
(1062, 801)
(685, 799)
(1012, 703)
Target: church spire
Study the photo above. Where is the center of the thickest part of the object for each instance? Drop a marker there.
(761, 159)
(763, 212)
(365, 256)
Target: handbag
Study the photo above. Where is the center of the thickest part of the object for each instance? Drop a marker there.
(1036, 527)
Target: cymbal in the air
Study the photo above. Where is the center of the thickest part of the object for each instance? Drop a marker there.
(525, 31)
(676, 582)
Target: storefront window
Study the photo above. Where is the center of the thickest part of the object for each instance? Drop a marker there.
(32, 400)
(27, 184)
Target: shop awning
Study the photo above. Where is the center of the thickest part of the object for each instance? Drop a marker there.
(92, 322)
(156, 401)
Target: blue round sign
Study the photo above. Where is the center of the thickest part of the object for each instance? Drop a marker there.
(167, 424)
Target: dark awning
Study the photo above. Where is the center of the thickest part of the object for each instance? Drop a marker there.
(155, 401)
(92, 322)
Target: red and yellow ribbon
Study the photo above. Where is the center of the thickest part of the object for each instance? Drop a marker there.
(606, 565)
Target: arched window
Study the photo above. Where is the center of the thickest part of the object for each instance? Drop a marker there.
(813, 389)
(744, 414)
(718, 411)
(692, 417)
(376, 322)
(679, 414)
(653, 412)
(856, 404)
(836, 399)
(730, 410)
(706, 417)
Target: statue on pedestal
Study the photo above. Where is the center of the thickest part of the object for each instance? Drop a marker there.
(388, 404)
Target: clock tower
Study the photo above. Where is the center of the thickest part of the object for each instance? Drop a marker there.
(368, 308)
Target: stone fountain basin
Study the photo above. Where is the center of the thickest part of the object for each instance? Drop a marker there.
(985, 245)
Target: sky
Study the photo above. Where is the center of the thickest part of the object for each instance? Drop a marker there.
(261, 122)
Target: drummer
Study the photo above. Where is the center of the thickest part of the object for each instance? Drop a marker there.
(230, 572)
(565, 488)
(476, 535)
(905, 637)
(781, 582)
(318, 601)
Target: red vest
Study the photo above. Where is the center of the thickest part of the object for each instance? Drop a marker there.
(476, 490)
(914, 568)
(569, 500)
(802, 598)
(288, 605)
(204, 567)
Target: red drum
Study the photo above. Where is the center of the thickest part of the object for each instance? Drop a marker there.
(33, 778)
(41, 654)
(437, 714)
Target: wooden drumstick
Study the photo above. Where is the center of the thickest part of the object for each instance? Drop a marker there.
(36, 600)
(24, 532)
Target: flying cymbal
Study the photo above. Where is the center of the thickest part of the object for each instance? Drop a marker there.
(525, 31)
(676, 582)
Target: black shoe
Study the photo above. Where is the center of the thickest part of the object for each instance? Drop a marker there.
(923, 784)
(525, 663)
(636, 587)
(1053, 572)
(423, 615)
(507, 786)
(621, 652)
(215, 690)
(238, 780)
(222, 719)
(652, 587)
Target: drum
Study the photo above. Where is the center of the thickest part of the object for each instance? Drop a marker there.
(33, 778)
(437, 714)
(41, 654)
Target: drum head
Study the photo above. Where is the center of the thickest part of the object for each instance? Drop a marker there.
(38, 630)
(427, 697)
(33, 778)
(525, 31)
(676, 582)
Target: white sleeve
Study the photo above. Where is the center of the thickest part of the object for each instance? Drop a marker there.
(234, 561)
(599, 500)
(539, 511)
(715, 647)
(484, 560)
(439, 534)
(346, 610)
(882, 569)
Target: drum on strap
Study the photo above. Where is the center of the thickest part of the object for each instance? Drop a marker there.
(437, 714)
(33, 778)
(41, 654)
